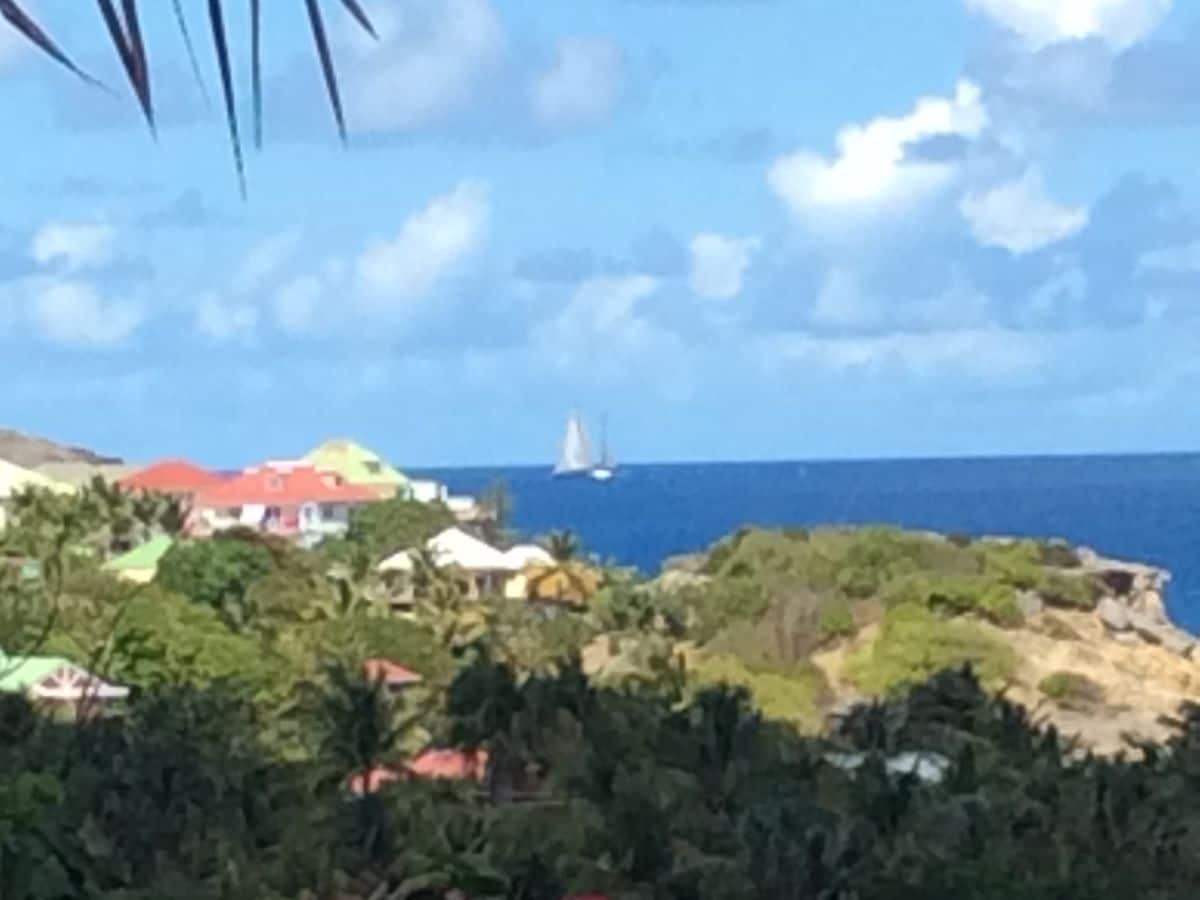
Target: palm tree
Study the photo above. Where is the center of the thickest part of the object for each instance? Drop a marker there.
(565, 580)
(125, 31)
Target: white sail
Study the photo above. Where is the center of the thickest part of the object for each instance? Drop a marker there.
(576, 455)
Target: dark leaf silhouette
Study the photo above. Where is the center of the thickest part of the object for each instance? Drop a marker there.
(193, 61)
(327, 70)
(220, 44)
(256, 67)
(19, 20)
(131, 52)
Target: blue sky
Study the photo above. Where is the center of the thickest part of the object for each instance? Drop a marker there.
(741, 228)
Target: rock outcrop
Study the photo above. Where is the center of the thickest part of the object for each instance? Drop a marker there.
(1132, 606)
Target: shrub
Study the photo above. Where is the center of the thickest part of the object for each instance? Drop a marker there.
(1072, 690)
(1069, 591)
(215, 573)
(915, 644)
(1058, 554)
(1017, 563)
(795, 696)
(959, 539)
(958, 595)
(836, 621)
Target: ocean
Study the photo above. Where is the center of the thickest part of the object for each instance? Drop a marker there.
(1144, 508)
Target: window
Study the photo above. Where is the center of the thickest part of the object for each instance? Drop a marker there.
(373, 467)
(328, 511)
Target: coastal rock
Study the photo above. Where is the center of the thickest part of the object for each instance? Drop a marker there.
(1113, 614)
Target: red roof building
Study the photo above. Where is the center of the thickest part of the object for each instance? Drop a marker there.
(287, 498)
(393, 675)
(172, 476)
(452, 765)
(370, 781)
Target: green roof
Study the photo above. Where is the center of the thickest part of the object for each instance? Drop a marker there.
(356, 464)
(19, 673)
(145, 556)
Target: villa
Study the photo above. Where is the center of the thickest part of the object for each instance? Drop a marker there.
(486, 570)
(52, 679)
(292, 499)
(176, 477)
(357, 465)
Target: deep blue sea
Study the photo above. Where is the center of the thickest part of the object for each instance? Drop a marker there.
(1138, 507)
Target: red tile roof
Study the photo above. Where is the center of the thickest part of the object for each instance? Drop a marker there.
(172, 476)
(456, 765)
(283, 484)
(390, 673)
(371, 781)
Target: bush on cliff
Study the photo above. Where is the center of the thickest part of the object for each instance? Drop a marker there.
(1072, 690)
(914, 643)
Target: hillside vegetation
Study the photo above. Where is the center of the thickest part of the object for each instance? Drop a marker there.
(670, 740)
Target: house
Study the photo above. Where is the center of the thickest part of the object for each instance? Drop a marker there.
(487, 570)
(140, 564)
(359, 466)
(432, 764)
(52, 679)
(465, 509)
(292, 499)
(176, 477)
(394, 677)
(14, 479)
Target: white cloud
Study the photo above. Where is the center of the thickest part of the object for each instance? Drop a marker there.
(296, 303)
(872, 167)
(76, 245)
(581, 86)
(841, 302)
(984, 353)
(430, 244)
(1040, 23)
(1172, 259)
(429, 62)
(1019, 216)
(719, 264)
(74, 313)
(225, 321)
(600, 327)
(265, 259)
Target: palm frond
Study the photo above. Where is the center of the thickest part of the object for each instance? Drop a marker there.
(135, 71)
(216, 19)
(193, 60)
(124, 30)
(256, 67)
(327, 69)
(20, 20)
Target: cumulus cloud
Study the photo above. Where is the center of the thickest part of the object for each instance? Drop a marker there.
(1039, 23)
(581, 86)
(719, 264)
(601, 329)
(1184, 258)
(265, 260)
(75, 314)
(226, 321)
(430, 244)
(429, 61)
(875, 165)
(75, 245)
(984, 353)
(296, 303)
(1019, 215)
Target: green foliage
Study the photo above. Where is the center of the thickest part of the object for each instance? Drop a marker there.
(384, 528)
(216, 573)
(836, 621)
(796, 697)
(1072, 690)
(1058, 554)
(1069, 591)
(914, 644)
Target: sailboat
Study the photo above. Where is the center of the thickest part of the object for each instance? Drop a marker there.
(575, 456)
(607, 467)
